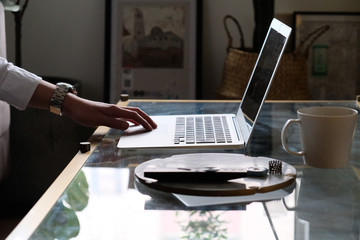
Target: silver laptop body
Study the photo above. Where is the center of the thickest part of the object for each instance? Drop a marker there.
(238, 128)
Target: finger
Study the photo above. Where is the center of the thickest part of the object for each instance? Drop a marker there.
(117, 123)
(132, 122)
(136, 116)
(143, 115)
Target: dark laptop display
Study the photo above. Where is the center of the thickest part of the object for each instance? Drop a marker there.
(262, 74)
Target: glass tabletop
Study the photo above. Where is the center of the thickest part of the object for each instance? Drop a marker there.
(104, 200)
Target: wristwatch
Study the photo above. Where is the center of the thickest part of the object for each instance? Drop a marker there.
(58, 97)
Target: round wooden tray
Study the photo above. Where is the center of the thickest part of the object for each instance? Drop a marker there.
(236, 187)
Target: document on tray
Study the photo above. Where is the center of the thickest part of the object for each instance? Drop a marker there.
(198, 201)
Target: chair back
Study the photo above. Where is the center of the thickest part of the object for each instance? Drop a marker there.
(4, 107)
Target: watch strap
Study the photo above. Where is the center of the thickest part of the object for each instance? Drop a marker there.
(58, 97)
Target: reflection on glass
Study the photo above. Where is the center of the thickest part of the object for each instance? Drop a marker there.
(62, 222)
(329, 199)
(204, 225)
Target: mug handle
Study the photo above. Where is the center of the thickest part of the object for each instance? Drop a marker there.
(283, 137)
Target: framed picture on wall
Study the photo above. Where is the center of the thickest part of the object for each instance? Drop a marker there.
(152, 49)
(334, 57)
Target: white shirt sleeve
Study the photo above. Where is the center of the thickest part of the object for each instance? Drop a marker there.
(16, 84)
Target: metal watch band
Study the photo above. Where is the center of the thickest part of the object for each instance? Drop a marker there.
(58, 97)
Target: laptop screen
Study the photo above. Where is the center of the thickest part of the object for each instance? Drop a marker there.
(264, 71)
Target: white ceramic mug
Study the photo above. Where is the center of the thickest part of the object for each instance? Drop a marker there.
(326, 135)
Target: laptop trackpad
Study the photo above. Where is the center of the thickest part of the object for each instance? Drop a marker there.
(137, 136)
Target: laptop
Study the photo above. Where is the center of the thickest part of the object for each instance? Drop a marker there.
(230, 130)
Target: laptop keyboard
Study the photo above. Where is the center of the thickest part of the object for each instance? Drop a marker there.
(202, 129)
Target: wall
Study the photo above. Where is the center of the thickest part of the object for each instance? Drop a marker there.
(215, 40)
(66, 38)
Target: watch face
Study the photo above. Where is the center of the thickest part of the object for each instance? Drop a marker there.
(68, 88)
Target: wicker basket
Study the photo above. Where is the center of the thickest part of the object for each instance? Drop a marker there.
(290, 82)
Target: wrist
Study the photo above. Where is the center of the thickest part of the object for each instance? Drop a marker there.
(71, 105)
(58, 98)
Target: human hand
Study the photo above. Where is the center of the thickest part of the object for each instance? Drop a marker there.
(94, 114)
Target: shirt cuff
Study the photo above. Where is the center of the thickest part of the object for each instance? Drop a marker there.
(19, 86)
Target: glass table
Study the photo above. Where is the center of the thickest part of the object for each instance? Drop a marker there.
(97, 196)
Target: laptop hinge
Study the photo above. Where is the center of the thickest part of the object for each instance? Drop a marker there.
(238, 130)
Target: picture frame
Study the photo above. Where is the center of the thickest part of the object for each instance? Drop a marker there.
(151, 49)
(333, 58)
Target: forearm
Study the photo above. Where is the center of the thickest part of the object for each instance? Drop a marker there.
(91, 113)
(21, 89)
(42, 95)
